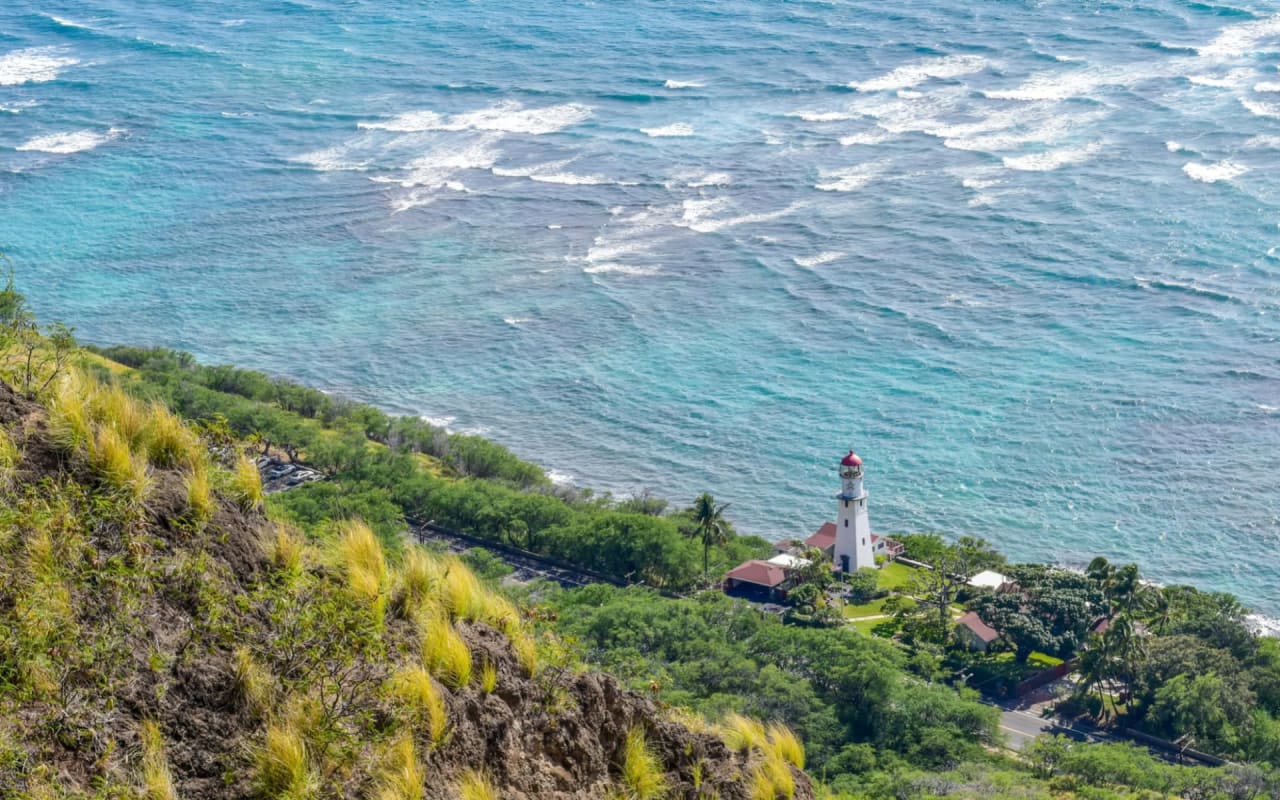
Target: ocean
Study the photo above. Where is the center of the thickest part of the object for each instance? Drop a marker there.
(1024, 257)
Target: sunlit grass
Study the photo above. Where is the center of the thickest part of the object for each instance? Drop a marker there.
(786, 744)
(287, 551)
(488, 677)
(246, 485)
(474, 785)
(642, 775)
(402, 777)
(445, 654)
(415, 689)
(200, 493)
(526, 650)
(169, 442)
(123, 470)
(157, 779)
(282, 769)
(743, 734)
(254, 684)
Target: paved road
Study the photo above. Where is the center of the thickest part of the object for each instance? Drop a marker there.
(1021, 727)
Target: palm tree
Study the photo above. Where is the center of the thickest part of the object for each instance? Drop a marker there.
(709, 525)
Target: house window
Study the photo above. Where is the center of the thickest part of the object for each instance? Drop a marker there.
(864, 541)
(846, 523)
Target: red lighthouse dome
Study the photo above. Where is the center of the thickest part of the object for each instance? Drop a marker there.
(851, 460)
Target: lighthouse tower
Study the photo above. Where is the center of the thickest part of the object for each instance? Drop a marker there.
(853, 549)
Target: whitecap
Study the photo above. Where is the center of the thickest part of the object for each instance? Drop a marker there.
(69, 142)
(1261, 109)
(516, 322)
(1263, 141)
(33, 65)
(821, 116)
(559, 478)
(711, 179)
(1236, 40)
(1230, 80)
(981, 200)
(825, 257)
(614, 268)
(1212, 173)
(332, 159)
(505, 117)
(19, 107)
(980, 183)
(696, 215)
(1263, 626)
(1267, 86)
(674, 129)
(232, 23)
(670, 84)
(1052, 159)
(554, 227)
(68, 23)
(1174, 147)
(438, 166)
(870, 137)
(848, 180)
(914, 74)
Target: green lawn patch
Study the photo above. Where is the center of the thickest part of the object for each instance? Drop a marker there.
(895, 576)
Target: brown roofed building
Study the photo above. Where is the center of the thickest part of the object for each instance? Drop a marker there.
(974, 633)
(757, 579)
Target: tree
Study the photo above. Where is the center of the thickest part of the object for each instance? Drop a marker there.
(710, 526)
(952, 567)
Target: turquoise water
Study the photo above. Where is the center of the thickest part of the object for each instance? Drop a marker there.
(1025, 256)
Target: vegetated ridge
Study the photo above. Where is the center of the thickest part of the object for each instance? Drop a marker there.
(161, 638)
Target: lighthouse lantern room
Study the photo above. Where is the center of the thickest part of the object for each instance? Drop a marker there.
(853, 548)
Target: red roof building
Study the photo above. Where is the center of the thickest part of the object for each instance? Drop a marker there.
(758, 580)
(975, 633)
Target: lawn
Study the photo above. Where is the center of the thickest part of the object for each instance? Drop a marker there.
(895, 576)
(866, 609)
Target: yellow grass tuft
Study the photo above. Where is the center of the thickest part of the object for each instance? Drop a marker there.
(488, 677)
(499, 613)
(69, 412)
(414, 687)
(786, 744)
(762, 785)
(365, 563)
(122, 469)
(113, 407)
(420, 581)
(689, 719)
(9, 455)
(282, 769)
(402, 777)
(287, 551)
(743, 734)
(642, 775)
(526, 650)
(43, 608)
(200, 493)
(445, 654)
(157, 780)
(246, 485)
(463, 594)
(474, 785)
(170, 443)
(254, 684)
(779, 772)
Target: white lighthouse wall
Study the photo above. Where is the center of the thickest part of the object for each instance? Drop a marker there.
(853, 532)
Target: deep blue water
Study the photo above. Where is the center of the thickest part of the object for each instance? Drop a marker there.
(1024, 255)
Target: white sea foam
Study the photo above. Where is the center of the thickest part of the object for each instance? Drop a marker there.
(233, 23)
(1261, 109)
(711, 179)
(1264, 141)
(18, 107)
(553, 172)
(1267, 86)
(915, 74)
(980, 183)
(1057, 86)
(674, 129)
(1263, 626)
(609, 267)
(1052, 159)
(438, 166)
(698, 215)
(850, 179)
(1212, 173)
(69, 23)
(1174, 147)
(69, 142)
(505, 117)
(438, 422)
(670, 84)
(825, 257)
(821, 116)
(980, 200)
(1237, 40)
(1228, 80)
(332, 159)
(34, 65)
(560, 478)
(870, 137)
(516, 322)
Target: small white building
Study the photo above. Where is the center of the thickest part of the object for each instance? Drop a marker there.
(853, 548)
(988, 579)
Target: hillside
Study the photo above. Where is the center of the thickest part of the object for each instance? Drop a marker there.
(161, 638)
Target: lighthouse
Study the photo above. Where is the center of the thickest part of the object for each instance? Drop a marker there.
(854, 549)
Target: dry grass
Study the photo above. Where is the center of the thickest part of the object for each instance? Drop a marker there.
(474, 785)
(157, 779)
(642, 775)
(463, 594)
(445, 654)
(761, 785)
(169, 442)
(779, 772)
(123, 470)
(362, 556)
(488, 677)
(9, 455)
(401, 777)
(282, 769)
(112, 407)
(414, 687)
(526, 650)
(786, 744)
(200, 493)
(69, 412)
(420, 580)
(254, 684)
(44, 609)
(246, 485)
(743, 734)
(287, 550)
(689, 719)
